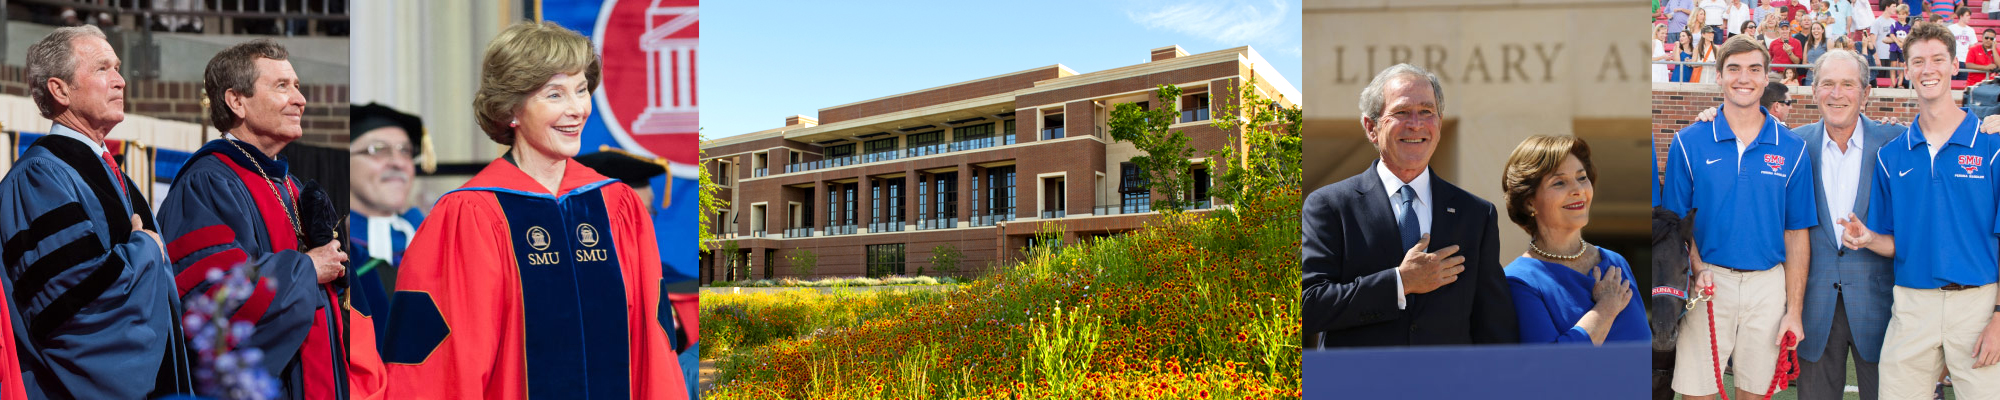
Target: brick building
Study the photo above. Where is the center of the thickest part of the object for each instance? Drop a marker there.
(976, 165)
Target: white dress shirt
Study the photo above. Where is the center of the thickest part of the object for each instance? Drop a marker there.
(1422, 206)
(64, 131)
(1840, 177)
(383, 245)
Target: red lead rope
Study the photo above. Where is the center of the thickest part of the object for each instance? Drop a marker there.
(1788, 357)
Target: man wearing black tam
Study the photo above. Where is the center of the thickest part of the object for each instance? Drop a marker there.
(382, 173)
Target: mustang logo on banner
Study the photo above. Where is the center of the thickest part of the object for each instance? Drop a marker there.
(646, 106)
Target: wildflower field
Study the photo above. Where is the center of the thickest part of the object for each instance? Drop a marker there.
(1194, 306)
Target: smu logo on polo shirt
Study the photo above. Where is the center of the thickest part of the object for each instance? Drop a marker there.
(1971, 163)
(1775, 161)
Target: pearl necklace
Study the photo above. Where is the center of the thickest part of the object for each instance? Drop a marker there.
(1579, 252)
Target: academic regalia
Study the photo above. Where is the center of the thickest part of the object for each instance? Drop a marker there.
(511, 292)
(94, 312)
(375, 247)
(219, 212)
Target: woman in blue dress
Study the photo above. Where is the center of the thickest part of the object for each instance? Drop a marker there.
(1565, 290)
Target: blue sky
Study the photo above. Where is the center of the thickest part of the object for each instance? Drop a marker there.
(762, 61)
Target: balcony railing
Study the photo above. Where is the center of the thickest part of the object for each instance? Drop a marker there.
(799, 232)
(937, 223)
(925, 150)
(840, 230)
(878, 227)
(995, 218)
(757, 233)
(880, 156)
(759, 172)
(915, 151)
(1052, 133)
(1052, 214)
(1128, 209)
(1199, 114)
(827, 163)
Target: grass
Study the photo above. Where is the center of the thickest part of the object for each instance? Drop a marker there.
(1792, 392)
(1192, 306)
(842, 282)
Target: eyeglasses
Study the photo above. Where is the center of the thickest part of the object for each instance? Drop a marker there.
(1785, 102)
(381, 150)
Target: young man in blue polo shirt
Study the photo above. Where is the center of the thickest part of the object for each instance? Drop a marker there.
(1747, 175)
(1934, 200)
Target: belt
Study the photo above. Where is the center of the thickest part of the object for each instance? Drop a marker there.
(1957, 287)
(1735, 269)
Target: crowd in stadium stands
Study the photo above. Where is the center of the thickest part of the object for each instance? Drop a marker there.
(1797, 32)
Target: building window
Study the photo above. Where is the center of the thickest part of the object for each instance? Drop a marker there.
(839, 155)
(1201, 185)
(927, 143)
(1052, 126)
(944, 200)
(758, 220)
(723, 172)
(1007, 137)
(880, 150)
(973, 137)
(885, 259)
(1133, 195)
(847, 204)
(796, 216)
(724, 224)
(999, 194)
(1053, 197)
(840, 209)
(1195, 108)
(888, 193)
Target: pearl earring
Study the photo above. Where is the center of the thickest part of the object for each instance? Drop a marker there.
(515, 124)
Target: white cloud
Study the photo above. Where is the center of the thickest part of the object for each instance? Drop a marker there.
(1231, 22)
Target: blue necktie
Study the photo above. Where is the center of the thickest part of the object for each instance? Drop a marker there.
(1407, 219)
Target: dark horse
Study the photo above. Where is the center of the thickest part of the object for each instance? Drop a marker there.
(1669, 294)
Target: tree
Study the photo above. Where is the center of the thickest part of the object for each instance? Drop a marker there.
(710, 204)
(1267, 165)
(945, 258)
(728, 259)
(1167, 151)
(804, 262)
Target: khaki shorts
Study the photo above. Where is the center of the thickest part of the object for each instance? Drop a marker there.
(1749, 305)
(1932, 331)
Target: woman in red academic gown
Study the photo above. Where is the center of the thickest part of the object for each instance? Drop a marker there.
(540, 277)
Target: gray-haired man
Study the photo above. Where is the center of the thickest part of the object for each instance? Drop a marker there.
(94, 301)
(1399, 284)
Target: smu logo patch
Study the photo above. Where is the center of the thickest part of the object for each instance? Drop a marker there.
(1775, 161)
(1971, 163)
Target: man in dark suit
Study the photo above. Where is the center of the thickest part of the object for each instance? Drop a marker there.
(1847, 290)
(1383, 252)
